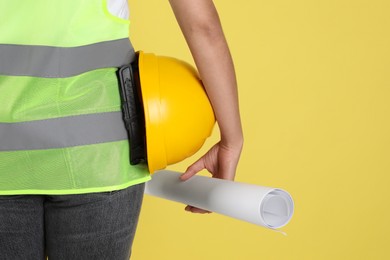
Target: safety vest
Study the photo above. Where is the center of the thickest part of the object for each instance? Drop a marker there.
(61, 126)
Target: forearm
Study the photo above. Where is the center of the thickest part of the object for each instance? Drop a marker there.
(201, 27)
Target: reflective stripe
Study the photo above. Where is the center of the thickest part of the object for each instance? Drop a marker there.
(62, 132)
(61, 62)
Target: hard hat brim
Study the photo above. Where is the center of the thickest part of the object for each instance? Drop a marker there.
(149, 81)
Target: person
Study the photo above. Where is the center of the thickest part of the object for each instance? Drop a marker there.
(67, 190)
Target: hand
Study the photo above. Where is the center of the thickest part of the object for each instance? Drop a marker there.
(221, 161)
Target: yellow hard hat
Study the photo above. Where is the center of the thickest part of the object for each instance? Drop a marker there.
(178, 114)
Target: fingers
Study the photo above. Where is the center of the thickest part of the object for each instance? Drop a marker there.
(221, 161)
(196, 210)
(193, 169)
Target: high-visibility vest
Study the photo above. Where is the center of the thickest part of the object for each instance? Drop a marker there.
(61, 126)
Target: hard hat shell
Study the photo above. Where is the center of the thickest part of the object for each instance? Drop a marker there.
(178, 114)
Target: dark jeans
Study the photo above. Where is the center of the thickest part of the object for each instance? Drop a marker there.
(86, 226)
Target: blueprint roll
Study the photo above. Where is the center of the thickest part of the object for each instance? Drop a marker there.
(264, 206)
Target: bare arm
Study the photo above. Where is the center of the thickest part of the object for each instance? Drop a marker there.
(201, 27)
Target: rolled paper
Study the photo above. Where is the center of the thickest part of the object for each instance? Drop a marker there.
(264, 206)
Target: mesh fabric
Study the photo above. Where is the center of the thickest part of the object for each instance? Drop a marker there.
(79, 169)
(33, 98)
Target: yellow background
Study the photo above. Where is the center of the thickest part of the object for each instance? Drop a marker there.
(314, 84)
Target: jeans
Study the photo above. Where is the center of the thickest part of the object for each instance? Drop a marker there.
(84, 226)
